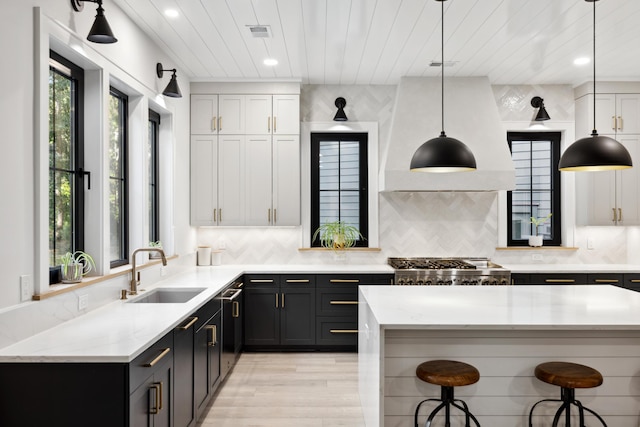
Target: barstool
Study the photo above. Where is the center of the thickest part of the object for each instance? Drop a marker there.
(568, 376)
(447, 374)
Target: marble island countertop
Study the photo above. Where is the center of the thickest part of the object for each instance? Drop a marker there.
(572, 268)
(541, 307)
(121, 330)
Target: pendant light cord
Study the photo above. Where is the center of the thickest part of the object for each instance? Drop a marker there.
(442, 65)
(594, 132)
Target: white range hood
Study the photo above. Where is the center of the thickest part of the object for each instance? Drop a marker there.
(471, 115)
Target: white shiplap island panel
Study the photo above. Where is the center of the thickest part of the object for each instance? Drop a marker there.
(505, 331)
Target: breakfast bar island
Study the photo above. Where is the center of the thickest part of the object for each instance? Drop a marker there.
(504, 331)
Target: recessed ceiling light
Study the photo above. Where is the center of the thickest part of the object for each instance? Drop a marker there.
(583, 60)
(270, 62)
(171, 13)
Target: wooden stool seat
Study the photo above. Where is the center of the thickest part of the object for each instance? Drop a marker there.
(568, 375)
(447, 373)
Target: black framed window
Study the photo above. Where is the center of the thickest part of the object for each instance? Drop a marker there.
(535, 156)
(118, 217)
(153, 162)
(66, 195)
(339, 181)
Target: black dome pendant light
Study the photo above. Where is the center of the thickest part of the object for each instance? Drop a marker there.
(443, 154)
(595, 152)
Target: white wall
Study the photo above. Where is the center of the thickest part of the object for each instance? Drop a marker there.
(132, 60)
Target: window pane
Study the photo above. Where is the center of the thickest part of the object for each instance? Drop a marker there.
(117, 183)
(152, 162)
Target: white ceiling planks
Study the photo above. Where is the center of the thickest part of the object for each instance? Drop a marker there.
(378, 41)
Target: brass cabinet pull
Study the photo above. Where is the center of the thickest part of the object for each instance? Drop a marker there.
(619, 122)
(219, 123)
(619, 214)
(162, 354)
(261, 280)
(220, 214)
(157, 387)
(268, 215)
(274, 123)
(343, 331)
(235, 309)
(343, 302)
(297, 280)
(344, 281)
(276, 300)
(282, 295)
(213, 123)
(615, 215)
(606, 280)
(635, 280)
(214, 335)
(214, 215)
(560, 280)
(275, 215)
(614, 123)
(188, 325)
(269, 123)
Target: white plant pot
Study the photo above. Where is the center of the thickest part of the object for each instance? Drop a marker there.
(535, 241)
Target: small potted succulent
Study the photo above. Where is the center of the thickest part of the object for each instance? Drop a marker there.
(155, 255)
(74, 265)
(536, 240)
(337, 235)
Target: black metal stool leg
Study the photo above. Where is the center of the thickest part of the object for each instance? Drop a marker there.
(433, 414)
(564, 407)
(467, 413)
(534, 407)
(418, 409)
(594, 414)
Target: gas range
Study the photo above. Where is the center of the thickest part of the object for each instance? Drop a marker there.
(448, 271)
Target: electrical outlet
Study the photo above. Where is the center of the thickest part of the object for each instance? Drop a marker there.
(26, 287)
(590, 243)
(83, 301)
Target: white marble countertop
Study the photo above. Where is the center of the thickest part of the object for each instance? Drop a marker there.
(121, 330)
(503, 307)
(572, 268)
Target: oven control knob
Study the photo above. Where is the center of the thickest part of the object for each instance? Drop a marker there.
(440, 283)
(410, 282)
(400, 282)
(485, 282)
(465, 283)
(448, 282)
(428, 282)
(420, 283)
(494, 282)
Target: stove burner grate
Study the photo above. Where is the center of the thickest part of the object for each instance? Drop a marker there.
(430, 264)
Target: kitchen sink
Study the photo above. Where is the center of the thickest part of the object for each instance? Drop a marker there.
(168, 296)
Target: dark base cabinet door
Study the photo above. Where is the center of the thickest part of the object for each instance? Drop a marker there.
(150, 404)
(183, 340)
(207, 361)
(262, 316)
(297, 316)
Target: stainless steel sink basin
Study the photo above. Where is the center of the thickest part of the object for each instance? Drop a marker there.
(168, 296)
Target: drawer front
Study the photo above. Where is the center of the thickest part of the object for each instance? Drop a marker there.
(337, 302)
(606, 279)
(261, 280)
(298, 280)
(339, 331)
(341, 280)
(558, 279)
(632, 280)
(206, 312)
(150, 360)
(380, 279)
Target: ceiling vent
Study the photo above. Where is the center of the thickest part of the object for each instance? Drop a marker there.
(260, 31)
(439, 63)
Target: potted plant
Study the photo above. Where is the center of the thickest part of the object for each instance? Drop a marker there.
(74, 265)
(536, 240)
(156, 244)
(337, 235)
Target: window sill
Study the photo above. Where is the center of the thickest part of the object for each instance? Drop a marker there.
(348, 249)
(63, 288)
(537, 248)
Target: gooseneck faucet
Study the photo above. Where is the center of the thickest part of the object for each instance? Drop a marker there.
(133, 290)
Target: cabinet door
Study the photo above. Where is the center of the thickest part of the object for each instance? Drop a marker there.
(183, 342)
(204, 179)
(628, 114)
(151, 404)
(628, 184)
(286, 180)
(232, 115)
(298, 316)
(258, 115)
(231, 149)
(206, 362)
(286, 115)
(262, 316)
(204, 114)
(605, 114)
(258, 180)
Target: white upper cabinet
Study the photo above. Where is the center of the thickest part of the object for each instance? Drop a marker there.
(286, 180)
(286, 115)
(258, 114)
(204, 180)
(258, 169)
(231, 119)
(204, 114)
(231, 180)
(615, 114)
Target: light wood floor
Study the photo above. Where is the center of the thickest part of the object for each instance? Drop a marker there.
(289, 389)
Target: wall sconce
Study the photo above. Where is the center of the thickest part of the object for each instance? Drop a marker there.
(340, 115)
(537, 102)
(100, 31)
(172, 90)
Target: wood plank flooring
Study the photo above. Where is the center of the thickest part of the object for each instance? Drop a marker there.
(289, 389)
